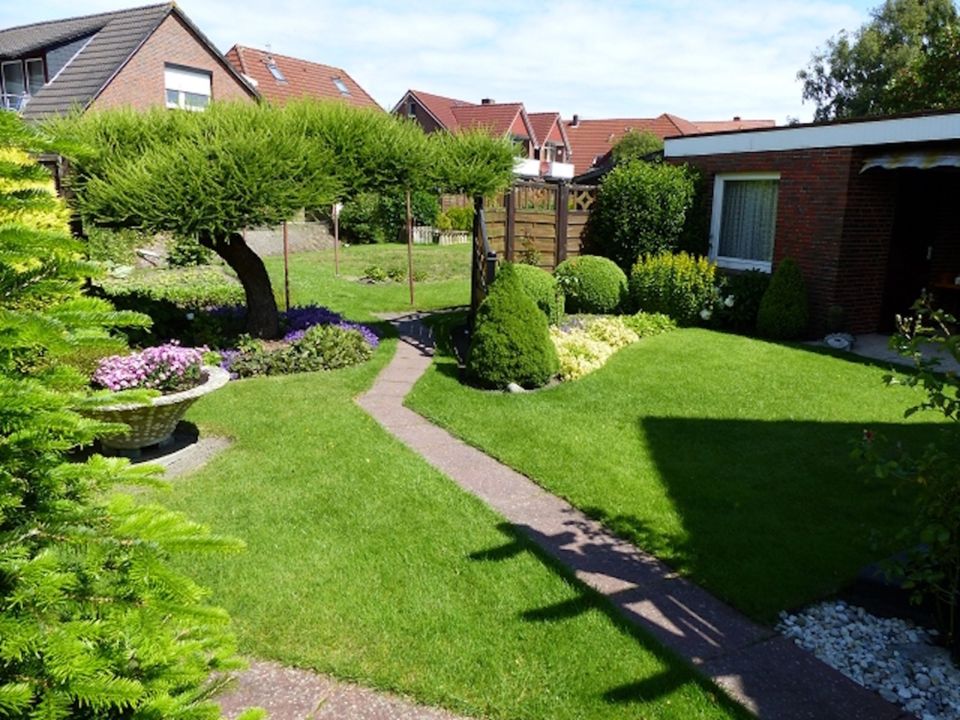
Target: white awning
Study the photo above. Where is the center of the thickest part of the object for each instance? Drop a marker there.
(917, 160)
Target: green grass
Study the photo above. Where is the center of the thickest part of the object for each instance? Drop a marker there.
(312, 278)
(366, 563)
(725, 456)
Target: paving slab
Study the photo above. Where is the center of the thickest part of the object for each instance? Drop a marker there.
(768, 674)
(293, 694)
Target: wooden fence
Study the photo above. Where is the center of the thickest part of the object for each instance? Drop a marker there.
(534, 222)
(540, 223)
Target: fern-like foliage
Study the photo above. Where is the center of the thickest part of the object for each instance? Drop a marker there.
(94, 623)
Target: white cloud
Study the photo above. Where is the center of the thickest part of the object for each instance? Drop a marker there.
(701, 60)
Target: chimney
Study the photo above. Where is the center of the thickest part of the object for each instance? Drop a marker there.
(575, 122)
(487, 101)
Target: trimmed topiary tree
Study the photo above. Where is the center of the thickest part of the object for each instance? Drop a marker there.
(511, 340)
(592, 284)
(783, 313)
(541, 287)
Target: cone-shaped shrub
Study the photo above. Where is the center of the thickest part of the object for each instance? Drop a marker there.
(592, 284)
(783, 310)
(541, 287)
(511, 341)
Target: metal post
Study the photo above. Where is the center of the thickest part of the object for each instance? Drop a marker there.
(336, 238)
(410, 246)
(491, 269)
(286, 267)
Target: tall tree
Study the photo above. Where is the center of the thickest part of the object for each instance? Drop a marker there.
(853, 75)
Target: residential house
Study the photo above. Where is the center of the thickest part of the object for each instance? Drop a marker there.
(593, 140)
(280, 78)
(545, 149)
(865, 207)
(151, 56)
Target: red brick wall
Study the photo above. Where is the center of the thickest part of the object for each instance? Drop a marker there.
(422, 117)
(140, 83)
(810, 212)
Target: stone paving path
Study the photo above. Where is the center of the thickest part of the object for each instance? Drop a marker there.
(765, 672)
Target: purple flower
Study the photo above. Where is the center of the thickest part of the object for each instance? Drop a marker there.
(164, 367)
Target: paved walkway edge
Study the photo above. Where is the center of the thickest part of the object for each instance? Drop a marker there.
(766, 673)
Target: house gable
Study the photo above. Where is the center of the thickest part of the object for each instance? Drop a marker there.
(140, 82)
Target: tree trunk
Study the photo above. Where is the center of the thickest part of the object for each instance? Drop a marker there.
(263, 320)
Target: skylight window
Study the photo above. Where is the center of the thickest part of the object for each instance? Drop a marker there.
(344, 90)
(276, 72)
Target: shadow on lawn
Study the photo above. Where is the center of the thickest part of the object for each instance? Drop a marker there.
(552, 552)
(774, 514)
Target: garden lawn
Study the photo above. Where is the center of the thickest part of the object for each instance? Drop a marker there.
(366, 563)
(725, 456)
(312, 278)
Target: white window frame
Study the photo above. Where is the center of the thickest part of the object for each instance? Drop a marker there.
(184, 80)
(735, 263)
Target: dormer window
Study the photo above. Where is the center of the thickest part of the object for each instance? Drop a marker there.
(275, 71)
(344, 90)
(19, 79)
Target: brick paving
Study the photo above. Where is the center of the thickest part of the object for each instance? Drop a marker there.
(769, 675)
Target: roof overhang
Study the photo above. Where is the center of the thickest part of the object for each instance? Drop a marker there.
(881, 131)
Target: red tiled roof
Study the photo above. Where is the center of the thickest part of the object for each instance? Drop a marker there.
(303, 78)
(546, 126)
(592, 140)
(497, 118)
(440, 107)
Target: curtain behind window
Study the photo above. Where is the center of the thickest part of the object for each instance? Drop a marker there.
(748, 219)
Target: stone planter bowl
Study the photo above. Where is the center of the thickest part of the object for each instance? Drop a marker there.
(155, 422)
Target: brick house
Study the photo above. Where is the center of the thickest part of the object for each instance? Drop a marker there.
(593, 140)
(144, 57)
(864, 207)
(279, 78)
(545, 148)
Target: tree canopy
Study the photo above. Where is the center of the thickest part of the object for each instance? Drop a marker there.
(874, 70)
(214, 173)
(636, 145)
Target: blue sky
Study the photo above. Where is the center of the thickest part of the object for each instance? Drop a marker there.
(703, 60)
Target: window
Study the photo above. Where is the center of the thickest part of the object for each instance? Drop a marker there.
(341, 86)
(412, 109)
(744, 220)
(276, 72)
(186, 88)
(35, 76)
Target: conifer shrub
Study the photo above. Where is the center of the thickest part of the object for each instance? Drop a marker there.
(592, 284)
(783, 313)
(94, 621)
(511, 339)
(679, 285)
(541, 287)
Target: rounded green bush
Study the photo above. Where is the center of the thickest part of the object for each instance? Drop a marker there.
(511, 340)
(541, 287)
(783, 313)
(678, 285)
(592, 284)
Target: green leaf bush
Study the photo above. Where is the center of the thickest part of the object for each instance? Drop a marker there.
(783, 313)
(641, 208)
(747, 289)
(678, 285)
(511, 340)
(592, 284)
(541, 287)
(322, 347)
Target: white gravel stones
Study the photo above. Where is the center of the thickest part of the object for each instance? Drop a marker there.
(889, 655)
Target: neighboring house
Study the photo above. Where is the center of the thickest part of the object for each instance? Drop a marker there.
(143, 57)
(593, 140)
(279, 78)
(545, 149)
(866, 208)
